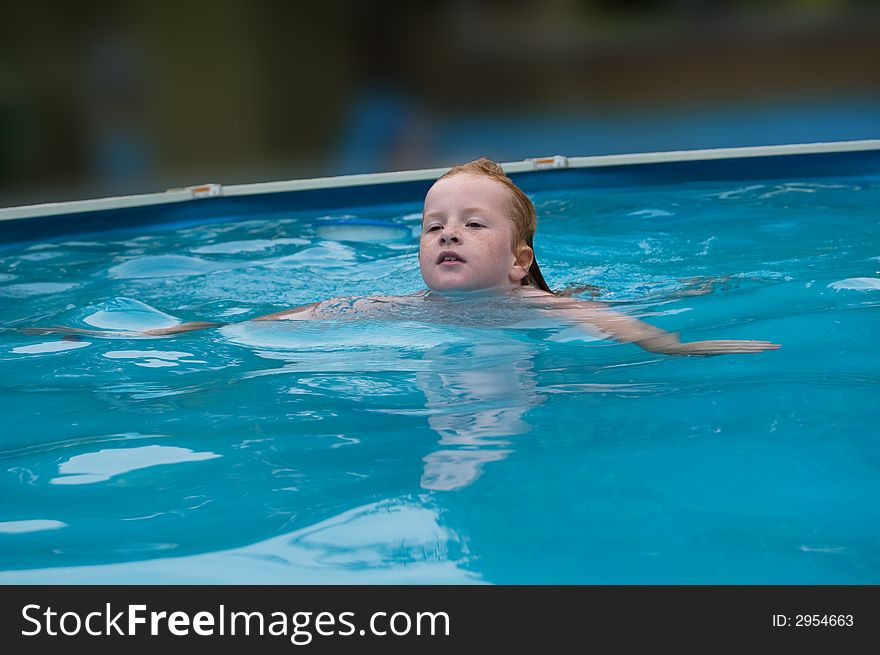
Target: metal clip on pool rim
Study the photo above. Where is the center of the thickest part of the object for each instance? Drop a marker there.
(556, 161)
(206, 190)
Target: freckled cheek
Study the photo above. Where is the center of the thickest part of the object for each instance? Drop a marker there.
(496, 248)
(426, 259)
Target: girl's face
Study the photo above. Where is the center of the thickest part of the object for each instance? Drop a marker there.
(466, 242)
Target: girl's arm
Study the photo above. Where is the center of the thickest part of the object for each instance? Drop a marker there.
(627, 329)
(305, 310)
(156, 332)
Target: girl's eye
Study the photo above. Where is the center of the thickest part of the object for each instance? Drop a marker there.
(475, 224)
(433, 228)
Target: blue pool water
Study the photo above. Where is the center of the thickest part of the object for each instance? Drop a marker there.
(423, 450)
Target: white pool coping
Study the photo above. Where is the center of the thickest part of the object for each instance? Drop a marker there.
(554, 162)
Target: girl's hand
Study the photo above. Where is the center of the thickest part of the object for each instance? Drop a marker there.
(55, 329)
(156, 332)
(725, 347)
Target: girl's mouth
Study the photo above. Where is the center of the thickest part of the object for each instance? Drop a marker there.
(448, 258)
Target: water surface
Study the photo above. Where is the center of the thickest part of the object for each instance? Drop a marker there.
(413, 450)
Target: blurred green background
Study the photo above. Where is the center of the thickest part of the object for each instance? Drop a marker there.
(113, 98)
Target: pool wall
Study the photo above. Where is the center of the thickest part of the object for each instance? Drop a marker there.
(208, 202)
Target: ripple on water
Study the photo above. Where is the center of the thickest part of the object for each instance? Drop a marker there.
(856, 284)
(250, 245)
(328, 255)
(104, 464)
(128, 314)
(36, 289)
(50, 347)
(364, 231)
(325, 336)
(41, 256)
(151, 266)
(650, 213)
(153, 358)
(30, 525)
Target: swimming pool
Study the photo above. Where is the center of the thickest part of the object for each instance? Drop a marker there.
(426, 452)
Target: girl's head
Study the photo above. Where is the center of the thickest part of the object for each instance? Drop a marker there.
(477, 232)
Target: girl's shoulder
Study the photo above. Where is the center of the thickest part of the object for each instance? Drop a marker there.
(546, 299)
(359, 306)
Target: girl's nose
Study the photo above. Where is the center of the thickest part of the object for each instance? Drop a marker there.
(449, 236)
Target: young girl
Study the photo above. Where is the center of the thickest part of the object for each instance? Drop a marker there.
(477, 259)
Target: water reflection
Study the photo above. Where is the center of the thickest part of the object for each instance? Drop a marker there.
(480, 398)
(476, 384)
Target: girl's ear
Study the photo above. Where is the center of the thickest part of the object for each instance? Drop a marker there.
(524, 258)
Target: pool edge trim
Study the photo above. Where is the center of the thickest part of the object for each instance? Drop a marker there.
(535, 164)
